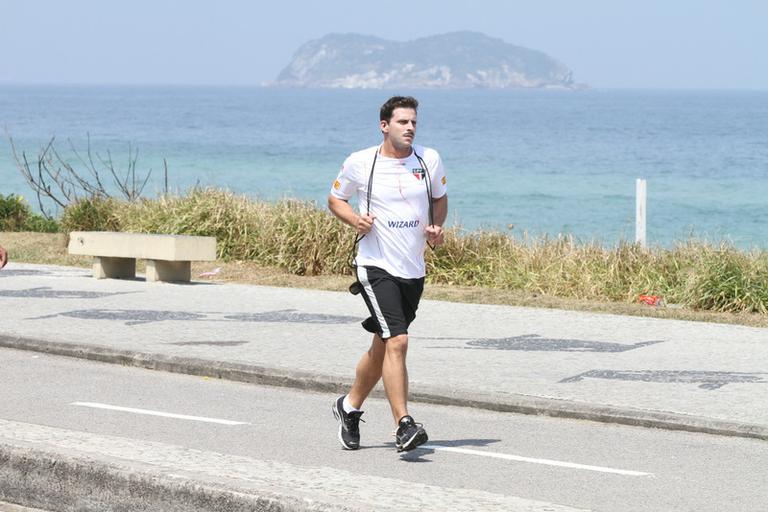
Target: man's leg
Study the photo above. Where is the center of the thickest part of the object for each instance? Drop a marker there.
(395, 375)
(367, 373)
(409, 434)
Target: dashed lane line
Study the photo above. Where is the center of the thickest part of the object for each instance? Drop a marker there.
(463, 451)
(546, 462)
(157, 413)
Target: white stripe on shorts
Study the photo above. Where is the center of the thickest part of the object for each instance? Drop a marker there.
(362, 276)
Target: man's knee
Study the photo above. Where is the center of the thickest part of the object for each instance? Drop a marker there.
(397, 345)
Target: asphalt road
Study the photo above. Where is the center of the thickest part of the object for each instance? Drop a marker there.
(576, 463)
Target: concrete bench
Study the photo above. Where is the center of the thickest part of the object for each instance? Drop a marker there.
(169, 257)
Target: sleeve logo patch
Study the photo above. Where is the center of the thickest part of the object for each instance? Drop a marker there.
(443, 180)
(336, 185)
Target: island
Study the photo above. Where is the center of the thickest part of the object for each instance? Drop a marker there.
(456, 60)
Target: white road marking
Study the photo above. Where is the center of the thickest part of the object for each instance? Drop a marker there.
(546, 462)
(157, 413)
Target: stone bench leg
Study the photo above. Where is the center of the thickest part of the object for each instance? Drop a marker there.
(114, 268)
(161, 270)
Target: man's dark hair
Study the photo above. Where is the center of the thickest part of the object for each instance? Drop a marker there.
(385, 114)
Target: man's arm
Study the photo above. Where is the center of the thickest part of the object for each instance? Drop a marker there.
(3, 257)
(439, 214)
(440, 209)
(344, 212)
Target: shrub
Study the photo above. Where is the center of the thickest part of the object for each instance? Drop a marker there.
(725, 279)
(92, 214)
(14, 212)
(40, 224)
(16, 215)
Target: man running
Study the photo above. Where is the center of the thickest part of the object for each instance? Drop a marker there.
(401, 194)
(3, 257)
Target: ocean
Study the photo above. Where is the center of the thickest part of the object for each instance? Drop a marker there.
(536, 162)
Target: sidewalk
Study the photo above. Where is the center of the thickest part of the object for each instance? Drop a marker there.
(641, 371)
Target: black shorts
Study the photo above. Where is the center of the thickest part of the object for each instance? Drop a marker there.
(392, 301)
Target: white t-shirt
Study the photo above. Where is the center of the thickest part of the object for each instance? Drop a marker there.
(399, 202)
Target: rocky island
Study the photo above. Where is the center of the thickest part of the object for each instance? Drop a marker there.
(457, 60)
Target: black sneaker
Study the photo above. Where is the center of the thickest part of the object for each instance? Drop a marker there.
(349, 430)
(409, 434)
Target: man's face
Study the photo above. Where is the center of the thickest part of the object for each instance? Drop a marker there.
(401, 129)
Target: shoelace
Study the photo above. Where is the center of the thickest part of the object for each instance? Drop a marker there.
(417, 425)
(353, 420)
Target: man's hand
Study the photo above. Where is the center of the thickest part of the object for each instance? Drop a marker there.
(342, 210)
(3, 257)
(435, 235)
(364, 224)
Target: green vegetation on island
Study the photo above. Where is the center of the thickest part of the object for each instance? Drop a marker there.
(456, 60)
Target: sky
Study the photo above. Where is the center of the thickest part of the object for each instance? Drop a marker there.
(658, 44)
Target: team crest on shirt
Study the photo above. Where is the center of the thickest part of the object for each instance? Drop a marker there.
(418, 172)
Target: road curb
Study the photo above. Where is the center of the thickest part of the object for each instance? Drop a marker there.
(502, 402)
(53, 481)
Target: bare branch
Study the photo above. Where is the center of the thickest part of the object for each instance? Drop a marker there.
(58, 180)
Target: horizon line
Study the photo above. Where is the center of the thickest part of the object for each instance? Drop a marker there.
(271, 86)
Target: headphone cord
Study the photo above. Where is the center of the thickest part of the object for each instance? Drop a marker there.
(428, 185)
(359, 236)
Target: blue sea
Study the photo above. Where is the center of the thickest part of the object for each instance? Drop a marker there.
(536, 162)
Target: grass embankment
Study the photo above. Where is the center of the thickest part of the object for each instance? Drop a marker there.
(293, 243)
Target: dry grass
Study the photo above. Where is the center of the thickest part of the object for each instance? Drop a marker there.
(293, 235)
(43, 248)
(47, 248)
(694, 274)
(295, 243)
(303, 239)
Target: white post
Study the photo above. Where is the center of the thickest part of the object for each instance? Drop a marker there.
(640, 200)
